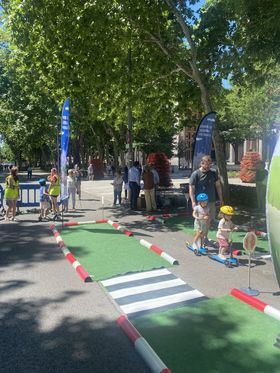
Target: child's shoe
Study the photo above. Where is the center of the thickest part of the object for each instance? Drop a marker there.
(221, 256)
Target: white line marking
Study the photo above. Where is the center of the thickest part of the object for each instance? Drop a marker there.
(160, 302)
(144, 288)
(135, 276)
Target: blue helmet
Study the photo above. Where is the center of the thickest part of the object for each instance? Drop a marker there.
(202, 197)
(42, 182)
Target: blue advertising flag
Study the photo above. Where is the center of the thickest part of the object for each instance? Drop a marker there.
(203, 139)
(65, 130)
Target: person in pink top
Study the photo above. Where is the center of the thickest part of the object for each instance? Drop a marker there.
(225, 228)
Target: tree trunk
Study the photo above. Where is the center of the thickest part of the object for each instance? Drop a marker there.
(205, 97)
(216, 137)
(129, 107)
(236, 152)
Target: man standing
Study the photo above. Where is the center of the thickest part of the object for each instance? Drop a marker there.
(205, 180)
(134, 184)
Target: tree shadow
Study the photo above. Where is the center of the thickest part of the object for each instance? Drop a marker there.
(208, 341)
(23, 245)
(74, 345)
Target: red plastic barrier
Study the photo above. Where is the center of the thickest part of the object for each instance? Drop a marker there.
(101, 221)
(256, 303)
(156, 249)
(128, 233)
(128, 328)
(237, 252)
(83, 274)
(70, 223)
(71, 258)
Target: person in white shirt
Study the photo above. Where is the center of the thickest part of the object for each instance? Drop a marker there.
(71, 189)
(90, 172)
(118, 183)
(201, 214)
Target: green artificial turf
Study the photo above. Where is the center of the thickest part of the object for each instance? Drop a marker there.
(105, 252)
(214, 336)
(185, 224)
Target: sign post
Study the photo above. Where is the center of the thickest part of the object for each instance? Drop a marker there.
(249, 244)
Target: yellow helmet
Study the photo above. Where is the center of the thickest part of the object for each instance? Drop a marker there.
(227, 210)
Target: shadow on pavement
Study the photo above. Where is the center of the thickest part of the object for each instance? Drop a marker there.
(88, 345)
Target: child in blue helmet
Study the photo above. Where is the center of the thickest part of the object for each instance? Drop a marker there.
(201, 215)
(44, 200)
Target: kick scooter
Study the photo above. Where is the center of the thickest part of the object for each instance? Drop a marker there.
(228, 262)
(201, 251)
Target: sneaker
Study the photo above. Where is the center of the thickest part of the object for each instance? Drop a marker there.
(221, 256)
(6, 218)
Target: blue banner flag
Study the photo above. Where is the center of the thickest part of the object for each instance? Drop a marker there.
(65, 130)
(203, 139)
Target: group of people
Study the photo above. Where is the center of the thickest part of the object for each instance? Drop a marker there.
(131, 179)
(49, 193)
(204, 185)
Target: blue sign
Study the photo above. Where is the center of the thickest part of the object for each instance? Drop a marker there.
(65, 131)
(203, 139)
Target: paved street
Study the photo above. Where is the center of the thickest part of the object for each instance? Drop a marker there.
(52, 321)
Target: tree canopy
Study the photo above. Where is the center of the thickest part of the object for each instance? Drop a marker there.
(153, 61)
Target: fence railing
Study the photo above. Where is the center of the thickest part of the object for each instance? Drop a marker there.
(29, 195)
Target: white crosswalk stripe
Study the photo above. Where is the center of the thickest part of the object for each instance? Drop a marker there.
(151, 291)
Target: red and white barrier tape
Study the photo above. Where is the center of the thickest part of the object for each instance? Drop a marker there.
(120, 228)
(142, 346)
(158, 251)
(70, 257)
(256, 303)
(72, 223)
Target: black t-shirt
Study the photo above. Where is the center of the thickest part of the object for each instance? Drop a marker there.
(204, 182)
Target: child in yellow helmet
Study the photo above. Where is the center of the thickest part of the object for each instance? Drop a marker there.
(224, 228)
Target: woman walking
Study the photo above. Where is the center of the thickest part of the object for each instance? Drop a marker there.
(11, 193)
